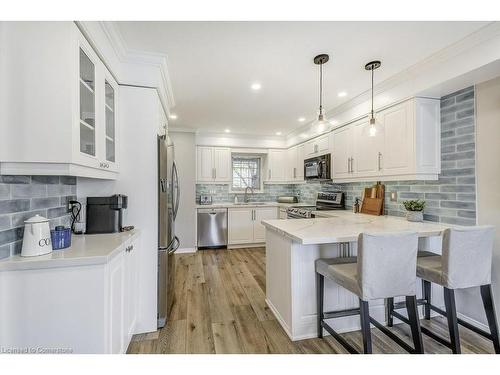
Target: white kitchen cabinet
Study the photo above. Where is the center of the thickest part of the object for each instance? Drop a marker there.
(262, 213)
(295, 163)
(116, 316)
(407, 145)
(213, 164)
(240, 225)
(367, 151)
(244, 224)
(131, 294)
(398, 126)
(317, 146)
(64, 108)
(343, 150)
(276, 165)
(85, 301)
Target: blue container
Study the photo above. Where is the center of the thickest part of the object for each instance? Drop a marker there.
(61, 237)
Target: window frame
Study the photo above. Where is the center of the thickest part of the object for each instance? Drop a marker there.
(260, 190)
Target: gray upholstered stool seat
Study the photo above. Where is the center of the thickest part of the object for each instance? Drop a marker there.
(429, 267)
(465, 263)
(384, 268)
(344, 271)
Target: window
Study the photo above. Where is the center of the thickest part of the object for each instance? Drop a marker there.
(246, 172)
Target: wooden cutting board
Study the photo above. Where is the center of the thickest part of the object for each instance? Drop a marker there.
(372, 206)
(373, 200)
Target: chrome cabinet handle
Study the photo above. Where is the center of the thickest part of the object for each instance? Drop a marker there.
(348, 165)
(215, 172)
(352, 165)
(294, 172)
(379, 156)
(103, 165)
(128, 249)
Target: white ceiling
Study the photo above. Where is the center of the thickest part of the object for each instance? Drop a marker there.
(212, 65)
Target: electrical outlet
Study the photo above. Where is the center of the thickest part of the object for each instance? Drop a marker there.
(394, 196)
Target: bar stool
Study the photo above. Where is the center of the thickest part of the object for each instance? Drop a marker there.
(385, 267)
(465, 263)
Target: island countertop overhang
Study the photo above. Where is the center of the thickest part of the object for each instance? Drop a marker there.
(345, 226)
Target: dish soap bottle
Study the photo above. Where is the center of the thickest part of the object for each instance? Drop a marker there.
(235, 199)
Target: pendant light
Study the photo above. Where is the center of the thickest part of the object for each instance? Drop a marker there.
(321, 124)
(374, 126)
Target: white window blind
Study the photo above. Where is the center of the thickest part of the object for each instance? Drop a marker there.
(246, 172)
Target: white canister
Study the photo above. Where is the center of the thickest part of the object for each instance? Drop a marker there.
(36, 239)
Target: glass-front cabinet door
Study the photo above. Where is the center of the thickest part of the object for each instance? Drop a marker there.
(110, 117)
(95, 138)
(87, 104)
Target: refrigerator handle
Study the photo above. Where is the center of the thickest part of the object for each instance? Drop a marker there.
(178, 192)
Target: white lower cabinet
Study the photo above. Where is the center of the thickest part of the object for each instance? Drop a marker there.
(82, 308)
(244, 225)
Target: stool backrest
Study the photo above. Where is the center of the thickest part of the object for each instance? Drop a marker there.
(387, 264)
(466, 258)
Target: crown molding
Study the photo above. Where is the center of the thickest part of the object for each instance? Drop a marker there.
(443, 56)
(128, 65)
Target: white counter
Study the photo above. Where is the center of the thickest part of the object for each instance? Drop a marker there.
(86, 249)
(251, 204)
(345, 226)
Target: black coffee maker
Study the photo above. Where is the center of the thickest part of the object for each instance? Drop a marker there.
(105, 214)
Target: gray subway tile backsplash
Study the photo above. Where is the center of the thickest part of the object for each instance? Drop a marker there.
(22, 197)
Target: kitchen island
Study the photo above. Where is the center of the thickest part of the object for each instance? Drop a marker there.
(292, 246)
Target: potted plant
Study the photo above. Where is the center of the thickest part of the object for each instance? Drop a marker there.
(414, 210)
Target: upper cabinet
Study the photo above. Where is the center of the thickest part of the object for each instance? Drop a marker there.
(406, 144)
(63, 101)
(317, 146)
(276, 166)
(213, 164)
(295, 163)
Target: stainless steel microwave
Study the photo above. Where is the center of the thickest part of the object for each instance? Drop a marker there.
(317, 168)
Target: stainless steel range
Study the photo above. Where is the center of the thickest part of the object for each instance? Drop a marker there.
(325, 201)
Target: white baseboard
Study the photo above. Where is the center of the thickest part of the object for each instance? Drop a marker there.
(473, 322)
(186, 250)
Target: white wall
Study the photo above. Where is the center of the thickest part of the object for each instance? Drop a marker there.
(488, 172)
(185, 158)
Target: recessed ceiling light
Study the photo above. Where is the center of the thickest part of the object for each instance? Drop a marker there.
(342, 94)
(227, 131)
(256, 86)
(301, 119)
(173, 116)
(278, 133)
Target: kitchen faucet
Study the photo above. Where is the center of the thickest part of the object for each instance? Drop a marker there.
(245, 199)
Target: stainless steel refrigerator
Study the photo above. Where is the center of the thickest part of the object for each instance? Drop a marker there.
(168, 243)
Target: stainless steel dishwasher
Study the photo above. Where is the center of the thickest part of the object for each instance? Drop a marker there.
(212, 228)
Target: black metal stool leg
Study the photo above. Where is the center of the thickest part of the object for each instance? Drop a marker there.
(364, 314)
(451, 315)
(416, 334)
(320, 287)
(489, 308)
(426, 290)
(389, 305)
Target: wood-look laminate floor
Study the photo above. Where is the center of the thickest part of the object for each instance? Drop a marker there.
(220, 307)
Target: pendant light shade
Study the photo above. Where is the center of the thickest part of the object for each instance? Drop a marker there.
(374, 129)
(321, 124)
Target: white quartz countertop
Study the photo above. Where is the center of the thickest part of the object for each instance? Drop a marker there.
(345, 226)
(88, 249)
(251, 204)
